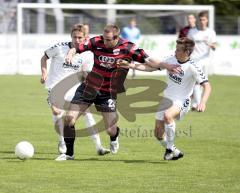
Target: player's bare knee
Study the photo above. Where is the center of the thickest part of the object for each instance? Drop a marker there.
(69, 120)
(167, 118)
(111, 130)
(55, 111)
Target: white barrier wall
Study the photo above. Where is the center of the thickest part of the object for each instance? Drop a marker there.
(225, 60)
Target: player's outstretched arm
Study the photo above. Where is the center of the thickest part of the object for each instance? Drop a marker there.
(43, 69)
(70, 55)
(172, 68)
(136, 66)
(206, 93)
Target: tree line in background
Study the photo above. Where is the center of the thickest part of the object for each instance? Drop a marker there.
(222, 7)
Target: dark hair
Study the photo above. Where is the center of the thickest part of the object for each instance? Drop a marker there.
(78, 27)
(187, 43)
(114, 28)
(203, 14)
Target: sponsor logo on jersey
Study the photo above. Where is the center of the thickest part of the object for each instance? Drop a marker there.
(175, 78)
(106, 61)
(72, 66)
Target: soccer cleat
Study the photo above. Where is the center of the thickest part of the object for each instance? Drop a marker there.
(174, 154)
(64, 157)
(103, 151)
(114, 146)
(168, 154)
(177, 154)
(193, 109)
(62, 149)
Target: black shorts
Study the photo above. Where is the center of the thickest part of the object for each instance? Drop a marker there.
(104, 101)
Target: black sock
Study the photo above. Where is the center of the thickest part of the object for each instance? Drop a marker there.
(69, 138)
(113, 138)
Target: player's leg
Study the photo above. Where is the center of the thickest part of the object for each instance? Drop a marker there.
(90, 122)
(110, 120)
(76, 110)
(172, 153)
(106, 104)
(159, 123)
(58, 125)
(160, 133)
(57, 115)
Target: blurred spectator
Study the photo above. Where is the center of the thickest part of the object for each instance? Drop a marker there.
(205, 41)
(191, 24)
(87, 29)
(132, 33)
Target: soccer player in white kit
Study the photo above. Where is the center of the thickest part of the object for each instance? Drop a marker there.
(177, 94)
(60, 70)
(205, 41)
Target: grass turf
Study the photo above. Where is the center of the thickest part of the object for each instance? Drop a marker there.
(210, 141)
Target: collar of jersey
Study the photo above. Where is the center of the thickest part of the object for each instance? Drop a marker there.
(184, 61)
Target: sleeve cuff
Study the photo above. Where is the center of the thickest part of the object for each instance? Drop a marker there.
(203, 82)
(46, 55)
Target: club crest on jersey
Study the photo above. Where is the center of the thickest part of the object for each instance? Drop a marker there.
(181, 73)
(116, 51)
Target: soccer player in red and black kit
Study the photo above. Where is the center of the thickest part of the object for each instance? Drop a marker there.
(102, 83)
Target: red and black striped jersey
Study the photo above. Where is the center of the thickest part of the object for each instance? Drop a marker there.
(184, 32)
(105, 75)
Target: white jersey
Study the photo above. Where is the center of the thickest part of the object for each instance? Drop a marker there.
(59, 69)
(201, 38)
(180, 86)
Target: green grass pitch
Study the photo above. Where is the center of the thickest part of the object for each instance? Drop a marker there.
(210, 141)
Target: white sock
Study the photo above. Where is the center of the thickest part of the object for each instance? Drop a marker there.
(197, 94)
(170, 134)
(163, 142)
(90, 122)
(58, 124)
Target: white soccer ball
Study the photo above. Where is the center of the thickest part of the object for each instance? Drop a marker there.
(24, 150)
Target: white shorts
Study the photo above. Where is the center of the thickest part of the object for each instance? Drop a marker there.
(183, 105)
(67, 97)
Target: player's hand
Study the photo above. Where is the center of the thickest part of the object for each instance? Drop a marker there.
(70, 55)
(174, 69)
(210, 45)
(43, 78)
(201, 107)
(123, 63)
(69, 58)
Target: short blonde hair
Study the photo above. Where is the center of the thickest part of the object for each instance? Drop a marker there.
(78, 27)
(188, 44)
